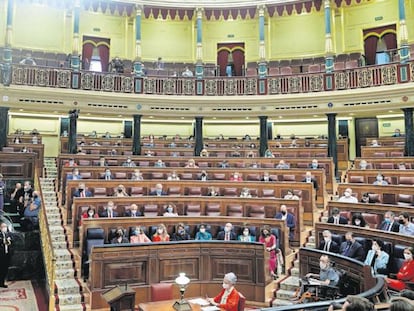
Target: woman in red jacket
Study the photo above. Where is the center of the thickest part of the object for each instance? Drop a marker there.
(406, 272)
(228, 298)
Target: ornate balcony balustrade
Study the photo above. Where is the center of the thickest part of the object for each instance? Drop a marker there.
(361, 77)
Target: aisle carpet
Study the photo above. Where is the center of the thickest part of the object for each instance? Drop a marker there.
(19, 296)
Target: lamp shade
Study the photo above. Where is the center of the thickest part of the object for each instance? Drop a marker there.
(182, 280)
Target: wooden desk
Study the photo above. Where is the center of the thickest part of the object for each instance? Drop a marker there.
(165, 305)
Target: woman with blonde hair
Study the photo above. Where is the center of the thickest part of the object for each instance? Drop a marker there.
(161, 235)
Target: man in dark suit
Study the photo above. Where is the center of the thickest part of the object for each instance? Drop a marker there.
(227, 234)
(133, 211)
(5, 253)
(109, 211)
(266, 177)
(389, 224)
(290, 220)
(327, 244)
(82, 192)
(351, 248)
(74, 175)
(310, 179)
(158, 190)
(107, 175)
(336, 218)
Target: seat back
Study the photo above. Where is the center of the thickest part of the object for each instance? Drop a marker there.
(213, 209)
(356, 179)
(373, 220)
(235, 210)
(257, 211)
(94, 237)
(137, 191)
(405, 199)
(193, 209)
(151, 210)
(194, 191)
(99, 192)
(242, 302)
(406, 180)
(161, 291)
(230, 192)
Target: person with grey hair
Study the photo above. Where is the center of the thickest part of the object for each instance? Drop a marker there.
(401, 304)
(228, 298)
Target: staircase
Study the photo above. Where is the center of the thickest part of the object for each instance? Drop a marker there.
(288, 287)
(67, 288)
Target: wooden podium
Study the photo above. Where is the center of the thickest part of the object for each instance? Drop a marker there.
(120, 298)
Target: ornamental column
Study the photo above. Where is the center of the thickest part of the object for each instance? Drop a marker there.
(263, 135)
(198, 135)
(262, 72)
(136, 138)
(4, 126)
(332, 144)
(409, 132)
(329, 55)
(138, 51)
(73, 123)
(404, 48)
(7, 52)
(75, 60)
(199, 69)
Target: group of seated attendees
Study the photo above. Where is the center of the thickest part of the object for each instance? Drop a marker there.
(27, 202)
(363, 165)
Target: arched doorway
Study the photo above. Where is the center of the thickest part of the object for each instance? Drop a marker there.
(230, 55)
(95, 53)
(380, 44)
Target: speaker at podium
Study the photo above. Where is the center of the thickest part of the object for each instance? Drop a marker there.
(120, 298)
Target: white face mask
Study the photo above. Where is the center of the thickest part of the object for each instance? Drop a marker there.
(357, 222)
(322, 265)
(202, 230)
(226, 286)
(326, 239)
(408, 256)
(246, 233)
(347, 194)
(160, 231)
(374, 248)
(90, 214)
(4, 230)
(169, 210)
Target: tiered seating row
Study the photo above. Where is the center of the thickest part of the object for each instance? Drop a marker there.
(392, 176)
(382, 151)
(386, 163)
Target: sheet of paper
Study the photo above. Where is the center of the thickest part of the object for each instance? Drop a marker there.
(210, 308)
(199, 301)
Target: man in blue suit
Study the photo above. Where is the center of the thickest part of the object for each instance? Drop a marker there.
(290, 220)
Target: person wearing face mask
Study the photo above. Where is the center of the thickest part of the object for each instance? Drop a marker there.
(327, 274)
(377, 258)
(227, 234)
(405, 273)
(327, 244)
(90, 213)
(406, 226)
(25, 197)
(120, 192)
(245, 193)
(236, 177)
(82, 192)
(246, 236)
(180, 233)
(107, 175)
(347, 197)
(6, 243)
(158, 191)
(228, 298)
(161, 234)
(159, 163)
(173, 176)
(352, 248)
(30, 220)
(363, 165)
(336, 218)
(74, 175)
(203, 234)
(213, 192)
(203, 176)
(270, 242)
(129, 163)
(133, 211)
(389, 224)
(289, 218)
(170, 210)
(109, 211)
(380, 181)
(138, 236)
(359, 221)
(310, 179)
(119, 237)
(137, 176)
(314, 164)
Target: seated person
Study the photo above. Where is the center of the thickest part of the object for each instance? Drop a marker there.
(102, 162)
(266, 177)
(133, 211)
(161, 235)
(245, 193)
(224, 164)
(90, 213)
(120, 192)
(191, 164)
(203, 153)
(402, 166)
(363, 164)
(389, 223)
(106, 135)
(119, 237)
(397, 133)
(293, 143)
(251, 154)
(137, 176)
(158, 190)
(327, 275)
(365, 198)
(31, 212)
(129, 163)
(180, 234)
(228, 298)
(95, 143)
(138, 236)
(71, 163)
(347, 197)
(187, 72)
(377, 258)
(380, 181)
(246, 236)
(203, 234)
(359, 221)
(170, 210)
(74, 175)
(82, 192)
(203, 176)
(352, 248)
(28, 60)
(406, 226)
(405, 273)
(289, 218)
(213, 192)
(107, 175)
(173, 176)
(309, 179)
(236, 177)
(327, 244)
(159, 163)
(227, 234)
(109, 211)
(268, 154)
(282, 165)
(314, 164)
(374, 143)
(290, 195)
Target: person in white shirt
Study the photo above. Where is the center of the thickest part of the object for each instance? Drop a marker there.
(187, 72)
(347, 197)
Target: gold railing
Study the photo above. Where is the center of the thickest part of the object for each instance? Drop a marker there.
(47, 248)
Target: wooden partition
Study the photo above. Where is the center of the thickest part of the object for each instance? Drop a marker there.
(180, 188)
(64, 142)
(392, 176)
(387, 141)
(37, 149)
(382, 194)
(20, 166)
(249, 209)
(218, 174)
(205, 263)
(390, 163)
(24, 139)
(382, 152)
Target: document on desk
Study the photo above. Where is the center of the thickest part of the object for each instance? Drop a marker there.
(199, 301)
(210, 308)
(314, 281)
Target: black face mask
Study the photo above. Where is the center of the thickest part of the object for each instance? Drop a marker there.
(401, 221)
(35, 197)
(284, 213)
(80, 190)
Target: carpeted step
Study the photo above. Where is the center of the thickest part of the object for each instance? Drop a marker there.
(285, 294)
(282, 302)
(60, 244)
(63, 254)
(65, 287)
(69, 299)
(64, 274)
(311, 239)
(294, 272)
(291, 283)
(75, 307)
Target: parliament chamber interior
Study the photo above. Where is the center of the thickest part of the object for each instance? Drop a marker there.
(153, 152)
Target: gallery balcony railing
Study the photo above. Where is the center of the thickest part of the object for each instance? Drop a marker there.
(361, 77)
